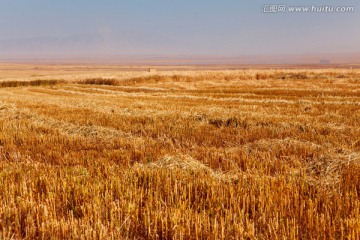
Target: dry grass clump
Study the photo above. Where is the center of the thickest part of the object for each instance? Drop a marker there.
(230, 122)
(140, 80)
(133, 79)
(245, 154)
(99, 81)
(29, 83)
(327, 170)
(187, 164)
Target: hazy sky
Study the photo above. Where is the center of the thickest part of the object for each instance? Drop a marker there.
(217, 27)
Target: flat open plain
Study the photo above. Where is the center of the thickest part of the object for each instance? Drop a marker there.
(111, 153)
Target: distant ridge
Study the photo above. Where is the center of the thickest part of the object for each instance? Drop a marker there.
(141, 48)
(321, 59)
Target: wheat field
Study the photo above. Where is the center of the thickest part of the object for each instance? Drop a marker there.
(226, 154)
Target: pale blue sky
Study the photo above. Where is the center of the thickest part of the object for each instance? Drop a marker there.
(214, 27)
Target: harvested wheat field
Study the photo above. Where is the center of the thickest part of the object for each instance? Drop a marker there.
(237, 154)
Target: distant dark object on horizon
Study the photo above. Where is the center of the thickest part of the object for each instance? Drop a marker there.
(324, 61)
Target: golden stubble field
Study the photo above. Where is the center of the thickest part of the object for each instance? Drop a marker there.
(240, 154)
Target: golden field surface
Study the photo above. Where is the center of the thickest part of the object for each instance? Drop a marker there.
(225, 154)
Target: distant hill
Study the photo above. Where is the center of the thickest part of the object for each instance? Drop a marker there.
(133, 48)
